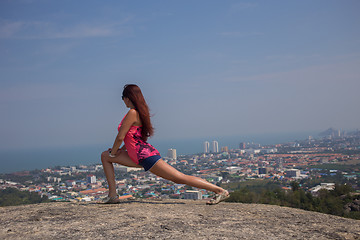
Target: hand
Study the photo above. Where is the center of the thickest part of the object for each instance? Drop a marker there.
(111, 154)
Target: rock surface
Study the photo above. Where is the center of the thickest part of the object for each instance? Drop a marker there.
(170, 219)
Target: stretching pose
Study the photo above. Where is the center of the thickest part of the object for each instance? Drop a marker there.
(134, 130)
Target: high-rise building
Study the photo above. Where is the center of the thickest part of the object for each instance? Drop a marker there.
(242, 145)
(292, 173)
(215, 146)
(225, 149)
(206, 147)
(91, 179)
(279, 163)
(172, 154)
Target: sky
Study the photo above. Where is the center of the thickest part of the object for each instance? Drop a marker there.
(206, 68)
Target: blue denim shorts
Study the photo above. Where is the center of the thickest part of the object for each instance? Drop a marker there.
(149, 162)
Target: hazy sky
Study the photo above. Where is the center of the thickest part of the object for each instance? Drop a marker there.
(206, 68)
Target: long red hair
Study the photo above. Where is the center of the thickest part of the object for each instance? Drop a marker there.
(135, 95)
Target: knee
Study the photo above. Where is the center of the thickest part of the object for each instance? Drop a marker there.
(104, 156)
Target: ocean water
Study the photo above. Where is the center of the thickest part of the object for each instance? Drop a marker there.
(19, 160)
(30, 159)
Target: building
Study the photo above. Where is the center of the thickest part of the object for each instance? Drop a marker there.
(70, 183)
(242, 145)
(268, 150)
(54, 179)
(263, 170)
(225, 149)
(252, 151)
(292, 173)
(327, 186)
(190, 194)
(91, 179)
(279, 163)
(172, 154)
(215, 146)
(233, 169)
(98, 167)
(193, 160)
(206, 147)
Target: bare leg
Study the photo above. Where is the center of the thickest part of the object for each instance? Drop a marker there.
(107, 162)
(164, 170)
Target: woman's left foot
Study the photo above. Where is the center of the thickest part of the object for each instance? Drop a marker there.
(110, 200)
(219, 197)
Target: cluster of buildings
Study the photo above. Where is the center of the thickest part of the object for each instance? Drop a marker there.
(214, 147)
(285, 162)
(81, 183)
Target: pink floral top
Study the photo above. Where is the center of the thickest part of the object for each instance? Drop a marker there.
(137, 148)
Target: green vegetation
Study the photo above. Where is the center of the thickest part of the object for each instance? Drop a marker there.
(256, 185)
(348, 152)
(27, 176)
(330, 166)
(12, 197)
(331, 202)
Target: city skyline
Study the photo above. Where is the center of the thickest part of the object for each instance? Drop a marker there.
(42, 158)
(315, 174)
(208, 69)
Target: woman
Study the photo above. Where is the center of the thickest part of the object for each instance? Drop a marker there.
(134, 130)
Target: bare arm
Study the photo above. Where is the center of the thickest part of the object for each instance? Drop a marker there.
(128, 121)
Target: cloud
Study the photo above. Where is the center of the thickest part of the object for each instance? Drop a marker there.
(9, 29)
(29, 92)
(243, 5)
(50, 30)
(292, 57)
(83, 31)
(346, 71)
(240, 34)
(21, 29)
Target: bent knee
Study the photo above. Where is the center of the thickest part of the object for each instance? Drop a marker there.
(104, 156)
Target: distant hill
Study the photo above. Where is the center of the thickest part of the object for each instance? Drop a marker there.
(170, 219)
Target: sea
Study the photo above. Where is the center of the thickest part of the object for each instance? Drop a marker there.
(31, 159)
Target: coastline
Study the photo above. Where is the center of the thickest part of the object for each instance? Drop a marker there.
(31, 159)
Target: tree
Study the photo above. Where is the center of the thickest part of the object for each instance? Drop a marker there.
(294, 186)
(13, 196)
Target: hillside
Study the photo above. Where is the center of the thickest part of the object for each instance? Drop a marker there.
(170, 219)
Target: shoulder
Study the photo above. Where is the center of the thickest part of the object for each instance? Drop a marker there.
(132, 113)
(135, 117)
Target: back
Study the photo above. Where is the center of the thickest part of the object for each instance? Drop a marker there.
(137, 148)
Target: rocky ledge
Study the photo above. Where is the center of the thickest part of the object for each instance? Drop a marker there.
(170, 219)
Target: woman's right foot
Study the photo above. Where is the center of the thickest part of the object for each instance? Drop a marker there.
(219, 198)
